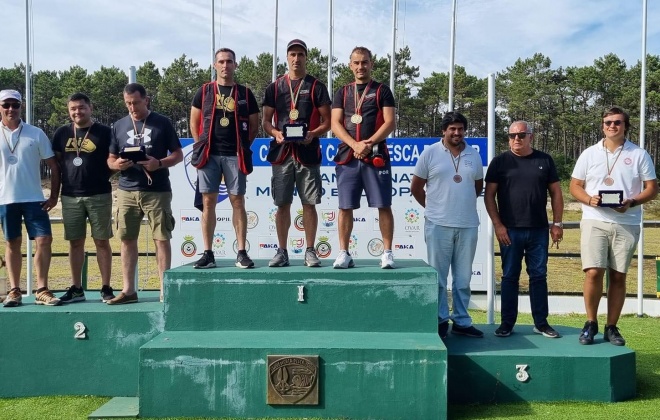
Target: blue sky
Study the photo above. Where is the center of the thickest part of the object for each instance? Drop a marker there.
(491, 34)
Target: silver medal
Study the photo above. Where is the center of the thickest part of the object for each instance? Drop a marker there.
(77, 161)
(13, 160)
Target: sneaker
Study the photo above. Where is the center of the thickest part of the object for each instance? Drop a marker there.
(73, 294)
(466, 331)
(387, 260)
(281, 259)
(311, 259)
(547, 331)
(14, 298)
(123, 299)
(46, 297)
(207, 260)
(107, 294)
(243, 260)
(503, 330)
(344, 260)
(613, 335)
(443, 327)
(588, 332)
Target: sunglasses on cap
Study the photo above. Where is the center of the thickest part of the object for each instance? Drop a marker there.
(615, 122)
(14, 105)
(519, 135)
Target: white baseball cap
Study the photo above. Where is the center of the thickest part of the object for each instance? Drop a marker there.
(10, 94)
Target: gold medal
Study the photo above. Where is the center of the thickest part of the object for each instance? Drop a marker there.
(356, 118)
(224, 121)
(294, 114)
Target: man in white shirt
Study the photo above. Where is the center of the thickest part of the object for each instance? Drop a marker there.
(613, 168)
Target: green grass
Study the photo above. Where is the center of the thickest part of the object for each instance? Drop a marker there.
(641, 334)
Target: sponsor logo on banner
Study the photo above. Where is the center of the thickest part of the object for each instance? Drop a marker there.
(405, 246)
(188, 247)
(272, 213)
(219, 242)
(267, 246)
(223, 220)
(298, 221)
(323, 248)
(360, 221)
(252, 219)
(235, 246)
(477, 274)
(190, 219)
(191, 175)
(376, 247)
(296, 245)
(412, 220)
(352, 245)
(328, 219)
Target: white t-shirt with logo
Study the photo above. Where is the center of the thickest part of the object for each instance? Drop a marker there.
(632, 168)
(20, 182)
(450, 203)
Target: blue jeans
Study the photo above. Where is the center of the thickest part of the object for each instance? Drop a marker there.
(455, 247)
(531, 243)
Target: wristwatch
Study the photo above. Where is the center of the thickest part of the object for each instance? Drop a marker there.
(160, 163)
(558, 224)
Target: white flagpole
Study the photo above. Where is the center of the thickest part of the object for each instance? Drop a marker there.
(277, 6)
(28, 119)
(642, 138)
(452, 51)
(330, 52)
(393, 58)
(212, 40)
(490, 237)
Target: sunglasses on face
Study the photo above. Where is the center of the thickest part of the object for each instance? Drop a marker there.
(14, 105)
(615, 122)
(519, 135)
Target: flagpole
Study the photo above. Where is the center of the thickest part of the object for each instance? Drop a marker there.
(213, 40)
(642, 141)
(452, 52)
(28, 119)
(277, 4)
(330, 51)
(393, 58)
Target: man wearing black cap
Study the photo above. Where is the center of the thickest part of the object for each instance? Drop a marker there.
(22, 148)
(302, 104)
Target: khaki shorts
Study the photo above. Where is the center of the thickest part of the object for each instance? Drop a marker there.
(290, 174)
(76, 211)
(607, 245)
(132, 206)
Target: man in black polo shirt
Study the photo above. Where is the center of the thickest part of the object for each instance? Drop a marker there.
(296, 98)
(224, 120)
(362, 118)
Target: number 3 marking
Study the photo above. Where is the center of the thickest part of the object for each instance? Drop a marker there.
(522, 374)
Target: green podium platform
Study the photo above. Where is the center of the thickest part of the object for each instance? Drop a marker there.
(373, 331)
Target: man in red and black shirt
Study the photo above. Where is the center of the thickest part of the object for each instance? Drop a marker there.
(296, 98)
(362, 118)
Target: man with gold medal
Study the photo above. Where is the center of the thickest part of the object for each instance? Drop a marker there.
(224, 120)
(296, 103)
(362, 118)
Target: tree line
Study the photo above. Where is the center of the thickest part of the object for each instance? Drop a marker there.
(564, 104)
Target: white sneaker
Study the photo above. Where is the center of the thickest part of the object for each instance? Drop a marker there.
(387, 260)
(343, 260)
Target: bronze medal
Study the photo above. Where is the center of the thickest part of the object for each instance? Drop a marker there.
(356, 118)
(224, 121)
(608, 181)
(458, 178)
(294, 114)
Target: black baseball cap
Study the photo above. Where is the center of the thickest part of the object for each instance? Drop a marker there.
(297, 42)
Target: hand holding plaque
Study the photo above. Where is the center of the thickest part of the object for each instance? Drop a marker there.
(295, 132)
(610, 198)
(134, 153)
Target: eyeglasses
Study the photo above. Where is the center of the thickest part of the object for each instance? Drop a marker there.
(519, 135)
(615, 122)
(14, 105)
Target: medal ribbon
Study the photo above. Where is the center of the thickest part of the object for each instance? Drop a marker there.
(75, 137)
(609, 170)
(294, 98)
(7, 140)
(454, 161)
(358, 103)
(224, 106)
(144, 125)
